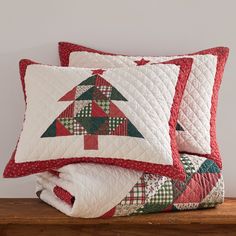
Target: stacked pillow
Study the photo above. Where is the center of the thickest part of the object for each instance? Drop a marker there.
(197, 113)
(138, 113)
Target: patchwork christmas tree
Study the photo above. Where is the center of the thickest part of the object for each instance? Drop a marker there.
(92, 113)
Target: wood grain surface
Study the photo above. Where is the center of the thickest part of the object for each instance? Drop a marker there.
(33, 217)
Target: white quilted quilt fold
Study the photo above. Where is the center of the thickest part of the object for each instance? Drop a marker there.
(90, 190)
(96, 188)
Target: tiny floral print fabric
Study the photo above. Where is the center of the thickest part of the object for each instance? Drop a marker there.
(125, 117)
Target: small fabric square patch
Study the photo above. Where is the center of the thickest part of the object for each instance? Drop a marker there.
(188, 166)
(164, 195)
(79, 129)
(90, 142)
(115, 122)
(86, 111)
(104, 104)
(68, 123)
(106, 90)
(136, 195)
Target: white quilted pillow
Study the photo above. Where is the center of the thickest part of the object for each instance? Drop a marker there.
(196, 132)
(122, 116)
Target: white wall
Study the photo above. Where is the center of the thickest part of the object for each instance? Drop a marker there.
(31, 29)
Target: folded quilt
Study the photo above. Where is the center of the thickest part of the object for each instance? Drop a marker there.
(91, 190)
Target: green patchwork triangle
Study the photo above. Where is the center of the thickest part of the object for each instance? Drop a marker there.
(89, 81)
(132, 131)
(51, 131)
(209, 166)
(116, 95)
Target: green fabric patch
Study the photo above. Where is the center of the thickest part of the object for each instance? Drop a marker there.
(132, 131)
(161, 200)
(51, 131)
(116, 95)
(209, 166)
(164, 195)
(89, 81)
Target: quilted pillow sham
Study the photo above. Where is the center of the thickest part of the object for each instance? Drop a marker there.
(123, 116)
(196, 128)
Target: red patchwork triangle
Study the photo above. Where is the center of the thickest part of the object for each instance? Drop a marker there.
(68, 112)
(101, 82)
(61, 130)
(198, 187)
(70, 96)
(169, 208)
(109, 214)
(115, 111)
(97, 111)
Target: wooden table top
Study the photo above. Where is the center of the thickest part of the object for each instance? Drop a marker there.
(33, 211)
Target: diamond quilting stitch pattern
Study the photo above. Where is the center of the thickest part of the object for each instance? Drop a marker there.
(199, 101)
(39, 163)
